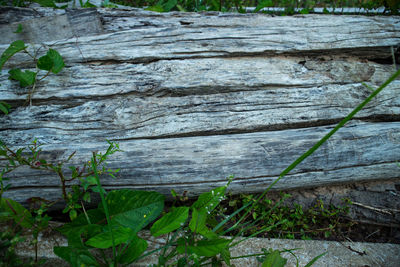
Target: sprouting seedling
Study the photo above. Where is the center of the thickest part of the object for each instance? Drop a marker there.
(51, 62)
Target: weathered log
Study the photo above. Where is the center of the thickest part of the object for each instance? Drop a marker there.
(193, 98)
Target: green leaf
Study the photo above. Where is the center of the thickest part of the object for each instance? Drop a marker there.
(76, 257)
(52, 61)
(45, 63)
(104, 240)
(96, 216)
(16, 212)
(58, 62)
(25, 78)
(4, 107)
(209, 248)
(198, 224)
(210, 200)
(19, 29)
(73, 214)
(134, 209)
(170, 221)
(14, 47)
(274, 259)
(136, 248)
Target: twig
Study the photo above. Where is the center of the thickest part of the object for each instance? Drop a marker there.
(385, 211)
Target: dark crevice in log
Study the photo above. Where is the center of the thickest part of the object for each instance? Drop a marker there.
(267, 128)
(376, 54)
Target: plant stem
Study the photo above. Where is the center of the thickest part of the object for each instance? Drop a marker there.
(105, 206)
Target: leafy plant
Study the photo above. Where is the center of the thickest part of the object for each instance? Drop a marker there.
(108, 234)
(51, 62)
(316, 221)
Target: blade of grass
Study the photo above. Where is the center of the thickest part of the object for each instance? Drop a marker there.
(267, 228)
(314, 260)
(277, 204)
(230, 217)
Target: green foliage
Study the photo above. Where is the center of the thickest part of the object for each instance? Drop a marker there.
(291, 221)
(9, 239)
(51, 62)
(129, 212)
(274, 259)
(25, 78)
(194, 233)
(170, 221)
(288, 7)
(134, 209)
(15, 211)
(14, 48)
(4, 107)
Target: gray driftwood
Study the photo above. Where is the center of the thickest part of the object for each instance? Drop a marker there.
(193, 98)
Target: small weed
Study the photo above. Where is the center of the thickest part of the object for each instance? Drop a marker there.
(318, 221)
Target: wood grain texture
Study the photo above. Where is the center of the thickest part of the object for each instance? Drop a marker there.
(193, 98)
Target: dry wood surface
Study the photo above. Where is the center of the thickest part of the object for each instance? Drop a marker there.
(192, 98)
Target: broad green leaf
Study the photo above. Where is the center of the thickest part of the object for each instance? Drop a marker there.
(75, 238)
(45, 63)
(210, 200)
(198, 224)
(4, 107)
(209, 248)
(170, 221)
(134, 209)
(16, 212)
(14, 47)
(96, 216)
(135, 249)
(76, 257)
(274, 259)
(25, 78)
(58, 62)
(52, 61)
(104, 240)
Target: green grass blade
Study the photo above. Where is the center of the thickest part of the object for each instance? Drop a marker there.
(230, 217)
(314, 260)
